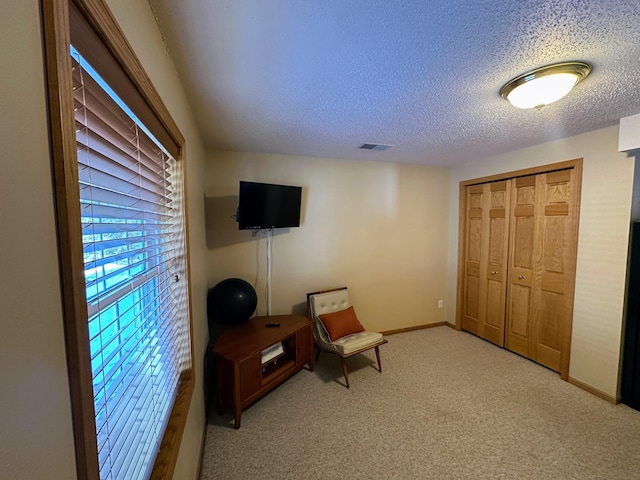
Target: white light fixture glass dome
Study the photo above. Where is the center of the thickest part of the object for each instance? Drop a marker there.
(544, 85)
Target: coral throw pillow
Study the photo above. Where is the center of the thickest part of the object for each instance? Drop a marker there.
(340, 324)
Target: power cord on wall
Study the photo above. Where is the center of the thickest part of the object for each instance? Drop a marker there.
(269, 237)
(268, 232)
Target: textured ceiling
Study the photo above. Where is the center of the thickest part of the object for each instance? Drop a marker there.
(322, 77)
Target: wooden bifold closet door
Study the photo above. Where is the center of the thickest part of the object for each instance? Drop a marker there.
(486, 260)
(520, 241)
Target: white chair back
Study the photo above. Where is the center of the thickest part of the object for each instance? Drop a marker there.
(329, 302)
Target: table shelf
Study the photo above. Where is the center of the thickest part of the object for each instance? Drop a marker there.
(241, 377)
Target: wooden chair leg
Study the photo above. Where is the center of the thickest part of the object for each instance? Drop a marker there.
(344, 370)
(378, 357)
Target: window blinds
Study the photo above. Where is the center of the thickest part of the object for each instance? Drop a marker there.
(136, 285)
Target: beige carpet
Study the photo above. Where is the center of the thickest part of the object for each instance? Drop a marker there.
(447, 405)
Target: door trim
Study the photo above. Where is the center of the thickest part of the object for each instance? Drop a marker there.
(576, 165)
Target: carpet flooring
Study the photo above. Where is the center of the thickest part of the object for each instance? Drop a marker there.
(447, 405)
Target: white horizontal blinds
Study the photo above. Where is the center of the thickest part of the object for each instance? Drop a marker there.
(134, 253)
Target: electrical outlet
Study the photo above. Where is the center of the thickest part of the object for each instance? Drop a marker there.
(440, 303)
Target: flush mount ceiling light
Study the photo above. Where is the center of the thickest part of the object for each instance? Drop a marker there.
(544, 85)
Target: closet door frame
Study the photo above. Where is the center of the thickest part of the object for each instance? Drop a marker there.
(576, 165)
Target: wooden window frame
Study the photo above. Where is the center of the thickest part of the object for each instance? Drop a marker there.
(56, 32)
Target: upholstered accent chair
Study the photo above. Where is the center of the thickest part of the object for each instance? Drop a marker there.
(336, 328)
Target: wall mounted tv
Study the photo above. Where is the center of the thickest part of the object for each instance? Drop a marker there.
(265, 205)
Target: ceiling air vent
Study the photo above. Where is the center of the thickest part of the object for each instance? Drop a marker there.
(375, 146)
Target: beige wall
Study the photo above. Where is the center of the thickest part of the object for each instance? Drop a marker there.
(36, 438)
(602, 245)
(378, 228)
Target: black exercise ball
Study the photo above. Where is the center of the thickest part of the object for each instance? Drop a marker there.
(231, 302)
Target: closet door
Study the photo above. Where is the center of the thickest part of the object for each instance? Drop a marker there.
(524, 230)
(541, 267)
(474, 270)
(497, 254)
(485, 269)
(553, 295)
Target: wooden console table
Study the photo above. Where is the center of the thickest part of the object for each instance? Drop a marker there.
(241, 376)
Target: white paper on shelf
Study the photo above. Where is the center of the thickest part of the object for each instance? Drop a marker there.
(272, 352)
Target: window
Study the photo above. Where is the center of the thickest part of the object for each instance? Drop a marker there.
(122, 247)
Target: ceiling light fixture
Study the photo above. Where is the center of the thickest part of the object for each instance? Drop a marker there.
(544, 85)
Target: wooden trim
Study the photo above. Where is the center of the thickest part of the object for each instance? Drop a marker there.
(593, 390)
(187, 249)
(550, 167)
(165, 462)
(417, 327)
(462, 245)
(55, 18)
(451, 325)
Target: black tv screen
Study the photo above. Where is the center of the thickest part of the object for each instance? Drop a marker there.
(264, 205)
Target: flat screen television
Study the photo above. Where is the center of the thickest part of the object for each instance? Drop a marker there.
(265, 205)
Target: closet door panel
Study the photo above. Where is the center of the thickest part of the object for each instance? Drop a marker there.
(524, 236)
(518, 314)
(494, 320)
(471, 318)
(498, 239)
(556, 247)
(549, 333)
(472, 295)
(521, 266)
